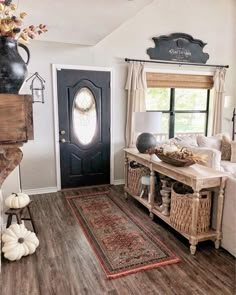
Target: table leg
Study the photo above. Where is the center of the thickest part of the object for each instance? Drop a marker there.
(193, 249)
(217, 243)
(18, 218)
(151, 194)
(9, 220)
(31, 218)
(126, 175)
(195, 208)
(151, 215)
(126, 171)
(220, 203)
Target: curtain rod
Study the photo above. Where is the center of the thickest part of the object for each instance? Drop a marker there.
(176, 63)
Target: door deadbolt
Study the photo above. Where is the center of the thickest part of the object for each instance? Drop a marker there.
(62, 132)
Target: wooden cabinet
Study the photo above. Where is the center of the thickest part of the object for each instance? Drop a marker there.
(198, 177)
(16, 128)
(16, 118)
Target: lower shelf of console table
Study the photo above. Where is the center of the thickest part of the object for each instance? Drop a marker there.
(196, 176)
(209, 235)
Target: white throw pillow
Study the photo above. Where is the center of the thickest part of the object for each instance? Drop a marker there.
(188, 140)
(213, 142)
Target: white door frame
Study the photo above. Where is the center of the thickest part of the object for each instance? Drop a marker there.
(58, 67)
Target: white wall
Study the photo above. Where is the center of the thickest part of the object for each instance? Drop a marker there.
(230, 102)
(209, 20)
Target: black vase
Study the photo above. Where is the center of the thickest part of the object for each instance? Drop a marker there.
(145, 141)
(13, 69)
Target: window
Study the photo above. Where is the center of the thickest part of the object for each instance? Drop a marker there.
(183, 100)
(84, 116)
(184, 110)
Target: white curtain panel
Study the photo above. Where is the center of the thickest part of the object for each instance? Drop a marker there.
(136, 85)
(219, 88)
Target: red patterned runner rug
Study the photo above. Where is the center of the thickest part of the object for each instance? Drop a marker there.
(122, 244)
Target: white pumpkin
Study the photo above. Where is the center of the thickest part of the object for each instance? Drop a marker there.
(18, 242)
(169, 149)
(15, 201)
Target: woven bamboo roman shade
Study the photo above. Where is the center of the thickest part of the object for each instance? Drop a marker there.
(179, 81)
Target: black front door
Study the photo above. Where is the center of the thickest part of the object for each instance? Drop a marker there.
(84, 127)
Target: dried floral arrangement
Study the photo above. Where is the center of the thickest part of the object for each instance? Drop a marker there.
(11, 24)
(176, 155)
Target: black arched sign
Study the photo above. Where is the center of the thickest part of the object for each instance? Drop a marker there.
(178, 47)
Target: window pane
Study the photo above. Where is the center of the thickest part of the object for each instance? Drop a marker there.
(189, 123)
(157, 99)
(190, 99)
(164, 133)
(84, 116)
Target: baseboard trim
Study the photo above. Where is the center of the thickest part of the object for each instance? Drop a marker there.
(42, 190)
(118, 181)
(47, 190)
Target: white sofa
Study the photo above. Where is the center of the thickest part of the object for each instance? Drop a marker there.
(229, 212)
(229, 217)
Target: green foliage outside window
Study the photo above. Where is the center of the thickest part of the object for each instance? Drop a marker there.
(184, 101)
(158, 99)
(190, 99)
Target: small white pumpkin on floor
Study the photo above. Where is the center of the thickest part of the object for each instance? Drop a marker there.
(16, 201)
(18, 242)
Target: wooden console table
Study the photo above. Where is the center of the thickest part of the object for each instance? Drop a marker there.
(197, 176)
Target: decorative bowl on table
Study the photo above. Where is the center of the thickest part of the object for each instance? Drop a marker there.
(175, 162)
(176, 156)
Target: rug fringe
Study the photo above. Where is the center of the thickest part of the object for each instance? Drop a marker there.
(87, 195)
(147, 267)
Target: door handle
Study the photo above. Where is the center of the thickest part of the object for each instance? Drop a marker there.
(62, 140)
(62, 132)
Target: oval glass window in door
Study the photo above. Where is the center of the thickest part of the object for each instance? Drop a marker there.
(84, 115)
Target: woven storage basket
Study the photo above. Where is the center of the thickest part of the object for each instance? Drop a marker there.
(134, 179)
(181, 211)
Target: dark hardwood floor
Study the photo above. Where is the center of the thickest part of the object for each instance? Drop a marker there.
(65, 264)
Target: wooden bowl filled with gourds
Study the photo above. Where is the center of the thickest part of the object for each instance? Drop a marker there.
(177, 156)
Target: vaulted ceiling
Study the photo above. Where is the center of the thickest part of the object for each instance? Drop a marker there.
(84, 22)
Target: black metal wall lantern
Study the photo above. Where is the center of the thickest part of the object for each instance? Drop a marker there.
(37, 87)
